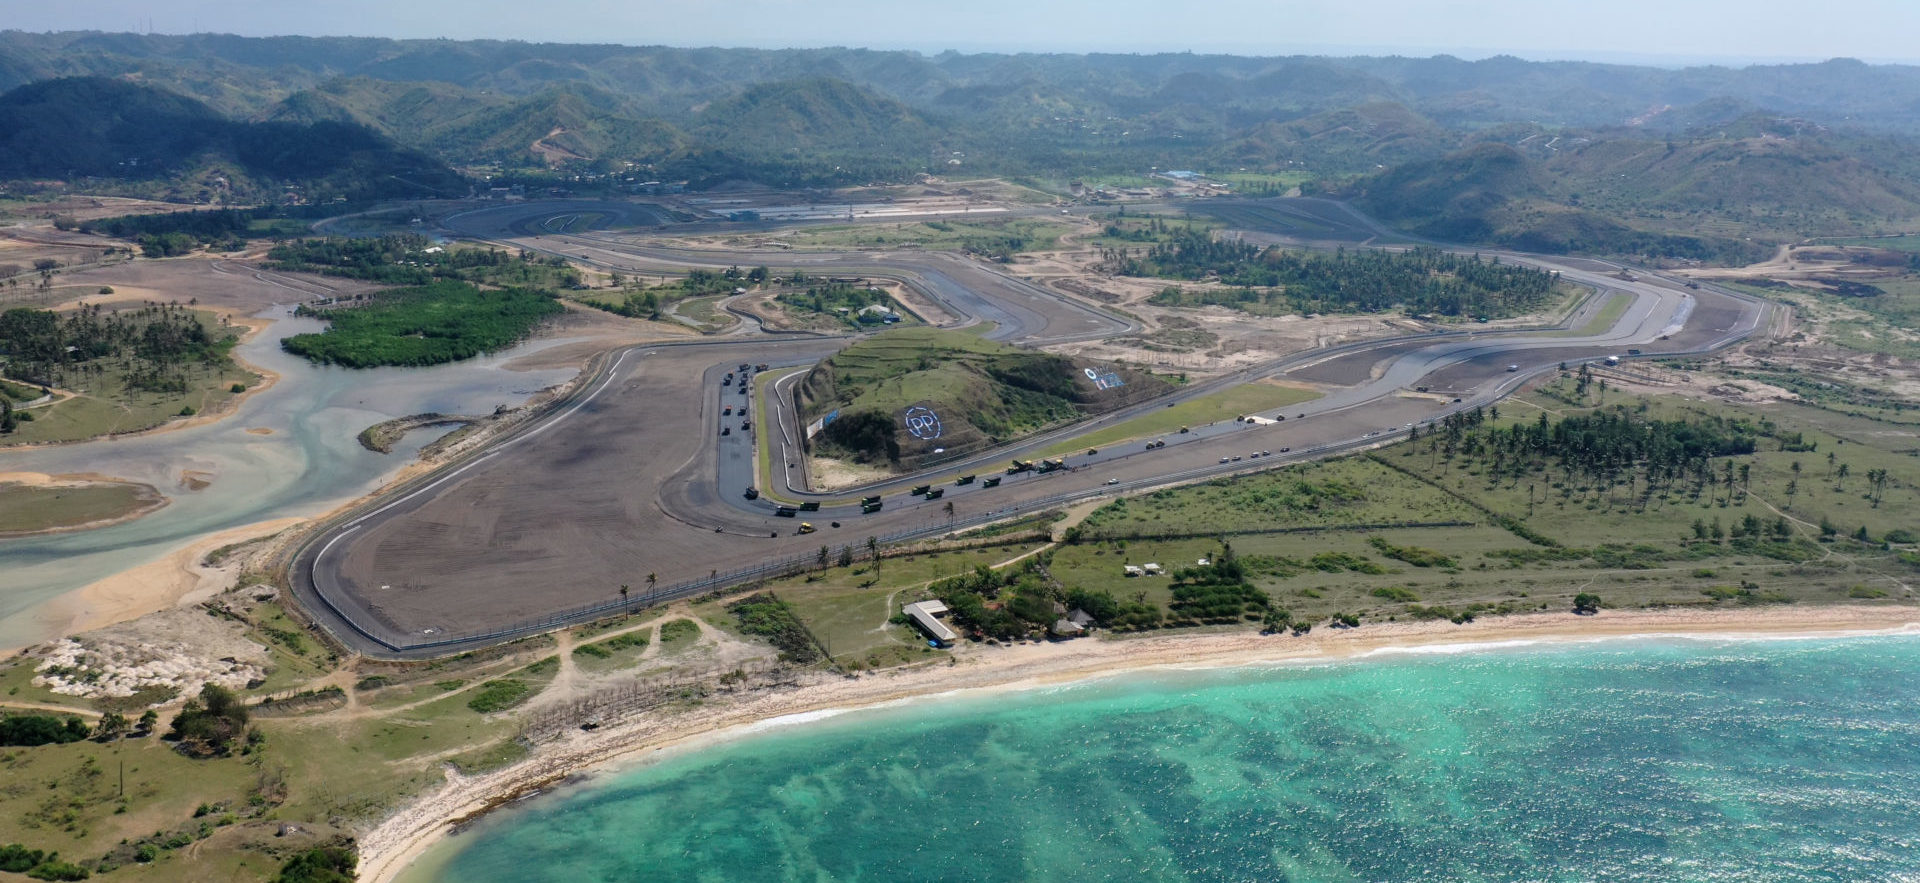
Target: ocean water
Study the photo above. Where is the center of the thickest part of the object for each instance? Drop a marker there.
(1626, 760)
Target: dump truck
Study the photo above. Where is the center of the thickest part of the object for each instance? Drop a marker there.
(1051, 464)
(991, 482)
(920, 489)
(753, 493)
(806, 527)
(786, 512)
(964, 479)
(936, 493)
(810, 506)
(1020, 466)
(870, 501)
(870, 508)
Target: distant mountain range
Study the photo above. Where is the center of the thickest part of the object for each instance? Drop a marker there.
(1555, 155)
(99, 128)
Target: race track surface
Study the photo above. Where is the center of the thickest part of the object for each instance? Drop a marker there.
(631, 477)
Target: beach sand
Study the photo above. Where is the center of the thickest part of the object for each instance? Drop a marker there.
(178, 578)
(389, 848)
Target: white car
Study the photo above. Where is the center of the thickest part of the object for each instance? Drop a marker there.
(1113, 481)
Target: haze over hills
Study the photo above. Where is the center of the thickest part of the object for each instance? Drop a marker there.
(94, 127)
(1549, 155)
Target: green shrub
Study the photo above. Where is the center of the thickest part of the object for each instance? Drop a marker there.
(1395, 594)
(499, 695)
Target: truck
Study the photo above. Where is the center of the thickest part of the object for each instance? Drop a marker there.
(964, 479)
(869, 508)
(806, 527)
(1051, 464)
(1613, 360)
(786, 512)
(810, 506)
(936, 493)
(991, 482)
(920, 489)
(870, 501)
(753, 493)
(1020, 466)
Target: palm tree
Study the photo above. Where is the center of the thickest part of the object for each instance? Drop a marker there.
(623, 593)
(873, 552)
(651, 579)
(1842, 483)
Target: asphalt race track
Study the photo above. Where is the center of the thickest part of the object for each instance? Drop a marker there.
(631, 476)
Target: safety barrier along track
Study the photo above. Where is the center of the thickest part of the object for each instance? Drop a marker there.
(364, 629)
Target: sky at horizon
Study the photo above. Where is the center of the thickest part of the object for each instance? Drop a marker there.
(1633, 31)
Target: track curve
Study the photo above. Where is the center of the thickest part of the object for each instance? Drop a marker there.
(630, 478)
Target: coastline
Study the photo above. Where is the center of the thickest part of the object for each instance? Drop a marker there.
(404, 836)
(177, 578)
(152, 499)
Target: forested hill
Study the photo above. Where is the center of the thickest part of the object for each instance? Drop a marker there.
(95, 127)
(1547, 156)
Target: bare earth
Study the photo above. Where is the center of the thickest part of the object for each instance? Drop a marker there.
(403, 837)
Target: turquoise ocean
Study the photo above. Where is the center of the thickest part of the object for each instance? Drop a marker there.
(1642, 759)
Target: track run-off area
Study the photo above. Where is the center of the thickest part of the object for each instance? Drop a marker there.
(630, 478)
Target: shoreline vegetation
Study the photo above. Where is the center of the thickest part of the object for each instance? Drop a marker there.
(391, 848)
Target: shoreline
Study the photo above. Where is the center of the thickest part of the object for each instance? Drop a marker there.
(264, 380)
(398, 841)
(152, 500)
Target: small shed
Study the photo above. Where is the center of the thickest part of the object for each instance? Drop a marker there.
(1152, 569)
(1134, 570)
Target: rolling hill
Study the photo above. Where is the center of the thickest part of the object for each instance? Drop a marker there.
(99, 128)
(978, 393)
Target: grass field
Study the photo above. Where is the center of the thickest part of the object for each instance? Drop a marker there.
(1610, 312)
(1227, 404)
(705, 312)
(1299, 528)
(26, 508)
(105, 403)
(1002, 236)
(849, 608)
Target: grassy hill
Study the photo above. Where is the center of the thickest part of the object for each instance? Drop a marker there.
(981, 393)
(1719, 197)
(99, 128)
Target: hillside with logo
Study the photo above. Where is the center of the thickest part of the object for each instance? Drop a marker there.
(916, 396)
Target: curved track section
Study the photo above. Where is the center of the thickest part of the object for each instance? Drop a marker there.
(630, 482)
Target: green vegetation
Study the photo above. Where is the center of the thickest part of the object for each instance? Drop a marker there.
(327, 864)
(1227, 404)
(651, 302)
(427, 325)
(1647, 502)
(845, 304)
(997, 240)
(28, 508)
(500, 695)
(167, 234)
(981, 392)
(91, 126)
(132, 369)
(41, 729)
(765, 615)
(1273, 281)
(413, 259)
(209, 725)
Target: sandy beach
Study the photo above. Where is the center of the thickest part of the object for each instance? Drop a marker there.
(387, 850)
(178, 578)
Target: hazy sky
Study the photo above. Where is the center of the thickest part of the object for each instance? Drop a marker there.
(1629, 30)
